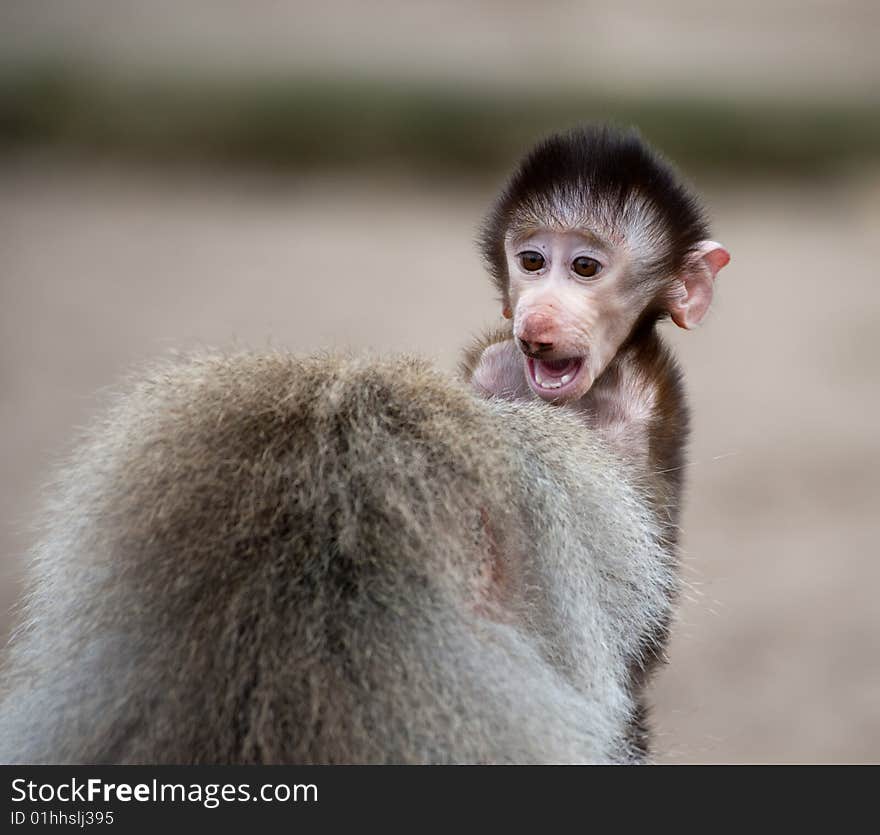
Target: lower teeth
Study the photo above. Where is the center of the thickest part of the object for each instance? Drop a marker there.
(547, 384)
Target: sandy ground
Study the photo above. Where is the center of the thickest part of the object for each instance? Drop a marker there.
(776, 656)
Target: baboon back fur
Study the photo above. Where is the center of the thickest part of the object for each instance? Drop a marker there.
(258, 558)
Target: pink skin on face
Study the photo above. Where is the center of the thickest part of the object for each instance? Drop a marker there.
(570, 326)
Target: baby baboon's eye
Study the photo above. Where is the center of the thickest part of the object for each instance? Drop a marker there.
(586, 267)
(531, 261)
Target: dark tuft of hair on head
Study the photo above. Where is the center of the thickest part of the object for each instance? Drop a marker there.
(605, 165)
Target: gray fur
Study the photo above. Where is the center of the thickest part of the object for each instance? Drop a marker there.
(264, 559)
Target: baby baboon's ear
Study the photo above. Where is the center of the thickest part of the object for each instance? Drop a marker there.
(694, 287)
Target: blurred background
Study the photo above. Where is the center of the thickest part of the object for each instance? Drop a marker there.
(175, 174)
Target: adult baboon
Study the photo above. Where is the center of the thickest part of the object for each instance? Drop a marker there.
(259, 559)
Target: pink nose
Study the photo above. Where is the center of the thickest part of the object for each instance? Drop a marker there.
(536, 335)
(535, 348)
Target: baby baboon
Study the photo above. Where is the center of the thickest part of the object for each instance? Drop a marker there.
(593, 241)
(591, 244)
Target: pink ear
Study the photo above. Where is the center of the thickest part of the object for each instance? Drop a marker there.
(694, 287)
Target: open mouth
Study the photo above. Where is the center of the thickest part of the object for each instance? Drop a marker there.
(553, 379)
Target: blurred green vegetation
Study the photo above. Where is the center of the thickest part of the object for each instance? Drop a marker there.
(302, 123)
